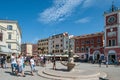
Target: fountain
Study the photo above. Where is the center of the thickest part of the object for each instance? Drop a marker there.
(70, 64)
(72, 72)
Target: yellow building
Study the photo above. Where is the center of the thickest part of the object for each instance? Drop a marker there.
(10, 37)
(43, 46)
(27, 49)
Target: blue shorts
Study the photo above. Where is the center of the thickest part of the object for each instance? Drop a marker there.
(14, 66)
(19, 68)
(32, 67)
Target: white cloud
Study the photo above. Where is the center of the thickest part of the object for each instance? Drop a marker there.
(60, 10)
(96, 3)
(83, 20)
(35, 40)
(88, 3)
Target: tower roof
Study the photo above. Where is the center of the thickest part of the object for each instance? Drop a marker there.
(113, 8)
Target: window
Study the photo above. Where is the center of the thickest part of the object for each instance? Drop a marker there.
(92, 41)
(1, 36)
(9, 36)
(9, 27)
(52, 37)
(98, 40)
(87, 42)
(61, 40)
(82, 42)
(82, 49)
(77, 49)
(57, 36)
(57, 46)
(87, 48)
(9, 46)
(61, 50)
(112, 42)
(66, 47)
(66, 42)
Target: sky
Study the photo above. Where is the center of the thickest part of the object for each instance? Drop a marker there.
(39, 19)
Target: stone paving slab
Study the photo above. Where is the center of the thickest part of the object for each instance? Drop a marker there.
(113, 72)
(5, 74)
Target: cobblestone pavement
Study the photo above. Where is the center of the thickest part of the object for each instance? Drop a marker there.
(5, 74)
(112, 71)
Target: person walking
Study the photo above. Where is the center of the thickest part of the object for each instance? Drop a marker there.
(32, 65)
(44, 61)
(13, 62)
(54, 63)
(3, 61)
(100, 61)
(20, 66)
(106, 61)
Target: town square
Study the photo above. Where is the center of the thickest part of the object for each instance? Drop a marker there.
(60, 40)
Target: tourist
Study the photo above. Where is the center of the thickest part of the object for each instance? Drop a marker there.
(106, 62)
(13, 62)
(20, 66)
(44, 61)
(54, 63)
(32, 65)
(2, 61)
(100, 61)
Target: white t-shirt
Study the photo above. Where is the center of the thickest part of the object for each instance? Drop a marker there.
(32, 62)
(20, 62)
(13, 60)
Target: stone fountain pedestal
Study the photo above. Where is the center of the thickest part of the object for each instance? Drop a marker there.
(61, 73)
(70, 64)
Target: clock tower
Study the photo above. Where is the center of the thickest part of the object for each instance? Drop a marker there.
(112, 34)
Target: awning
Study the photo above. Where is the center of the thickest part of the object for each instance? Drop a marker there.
(5, 50)
(75, 55)
(58, 55)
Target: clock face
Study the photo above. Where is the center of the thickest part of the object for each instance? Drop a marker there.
(111, 19)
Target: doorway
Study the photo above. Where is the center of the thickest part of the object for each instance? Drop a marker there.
(112, 58)
(96, 57)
